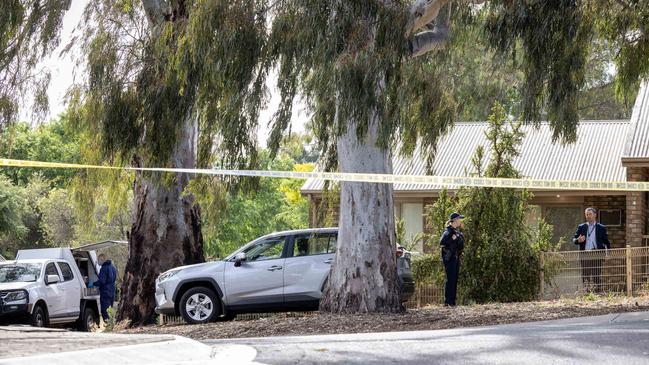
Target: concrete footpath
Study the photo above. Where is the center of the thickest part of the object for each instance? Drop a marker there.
(31, 346)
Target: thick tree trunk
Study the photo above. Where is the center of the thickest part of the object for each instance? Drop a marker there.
(363, 276)
(166, 231)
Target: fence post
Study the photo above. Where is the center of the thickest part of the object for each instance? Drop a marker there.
(419, 296)
(542, 273)
(629, 272)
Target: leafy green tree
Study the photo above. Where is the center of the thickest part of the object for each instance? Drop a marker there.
(624, 24)
(12, 209)
(598, 99)
(437, 216)
(58, 218)
(44, 211)
(428, 268)
(27, 232)
(275, 205)
(49, 142)
(500, 262)
(483, 77)
(29, 31)
(170, 83)
(300, 147)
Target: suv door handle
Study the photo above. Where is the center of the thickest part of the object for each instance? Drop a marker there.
(328, 261)
(274, 267)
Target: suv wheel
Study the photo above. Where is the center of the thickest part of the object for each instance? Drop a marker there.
(39, 317)
(199, 305)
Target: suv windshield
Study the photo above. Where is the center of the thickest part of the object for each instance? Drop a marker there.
(13, 273)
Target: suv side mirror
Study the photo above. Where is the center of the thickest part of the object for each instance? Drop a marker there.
(51, 279)
(238, 258)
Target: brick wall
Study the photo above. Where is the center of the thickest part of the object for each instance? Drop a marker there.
(616, 234)
(636, 206)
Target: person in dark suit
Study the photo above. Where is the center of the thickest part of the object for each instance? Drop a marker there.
(592, 238)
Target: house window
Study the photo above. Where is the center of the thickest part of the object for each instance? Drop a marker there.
(413, 216)
(610, 217)
(564, 220)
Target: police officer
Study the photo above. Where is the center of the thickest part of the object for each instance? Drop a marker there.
(452, 244)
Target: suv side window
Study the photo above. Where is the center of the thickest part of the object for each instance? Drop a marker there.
(333, 242)
(314, 244)
(66, 271)
(268, 249)
(50, 269)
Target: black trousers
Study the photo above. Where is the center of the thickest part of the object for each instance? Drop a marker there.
(591, 268)
(452, 269)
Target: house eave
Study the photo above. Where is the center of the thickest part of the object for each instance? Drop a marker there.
(635, 161)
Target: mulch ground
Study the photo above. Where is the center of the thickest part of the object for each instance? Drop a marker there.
(427, 318)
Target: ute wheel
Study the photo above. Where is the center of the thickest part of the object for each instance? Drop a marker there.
(199, 305)
(89, 320)
(38, 317)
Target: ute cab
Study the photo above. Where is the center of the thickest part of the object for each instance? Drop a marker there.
(49, 286)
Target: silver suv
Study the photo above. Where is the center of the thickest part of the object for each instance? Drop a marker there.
(277, 272)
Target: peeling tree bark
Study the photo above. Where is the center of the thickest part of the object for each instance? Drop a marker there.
(423, 12)
(363, 276)
(433, 40)
(156, 11)
(166, 231)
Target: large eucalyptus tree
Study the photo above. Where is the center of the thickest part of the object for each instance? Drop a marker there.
(170, 83)
(377, 73)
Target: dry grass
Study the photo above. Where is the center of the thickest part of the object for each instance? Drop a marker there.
(427, 318)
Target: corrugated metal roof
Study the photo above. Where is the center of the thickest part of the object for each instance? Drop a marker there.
(637, 145)
(595, 156)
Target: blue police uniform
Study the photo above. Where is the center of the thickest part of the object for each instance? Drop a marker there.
(452, 242)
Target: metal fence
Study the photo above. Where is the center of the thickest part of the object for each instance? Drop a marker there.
(573, 273)
(621, 270)
(426, 294)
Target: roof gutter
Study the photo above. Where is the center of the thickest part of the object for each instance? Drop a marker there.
(635, 161)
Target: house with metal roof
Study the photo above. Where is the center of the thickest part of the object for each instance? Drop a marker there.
(606, 150)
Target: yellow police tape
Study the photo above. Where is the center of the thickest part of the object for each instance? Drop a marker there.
(441, 181)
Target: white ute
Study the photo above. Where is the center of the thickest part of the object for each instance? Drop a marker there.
(45, 287)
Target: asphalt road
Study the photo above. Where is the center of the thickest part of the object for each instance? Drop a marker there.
(610, 339)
